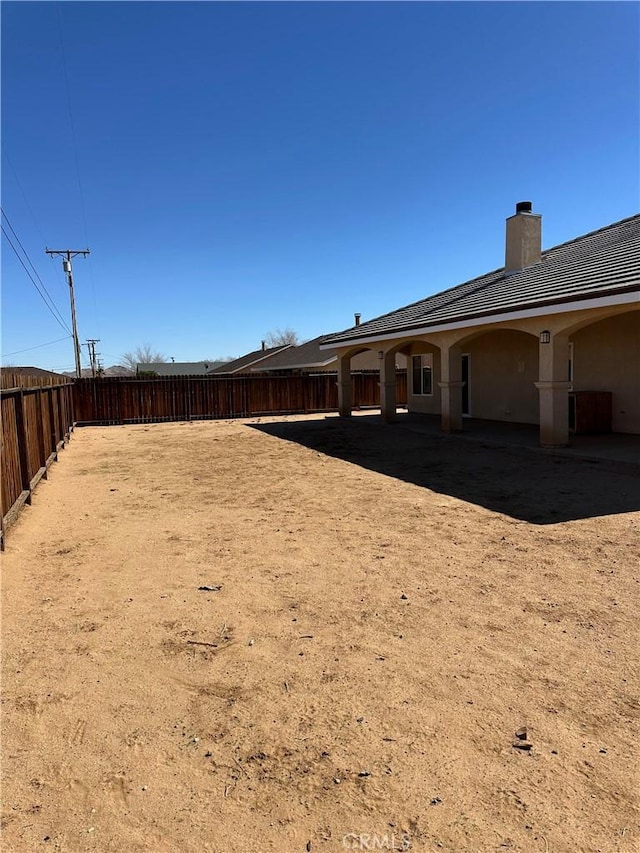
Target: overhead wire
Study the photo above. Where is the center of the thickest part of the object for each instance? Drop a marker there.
(77, 159)
(39, 346)
(24, 195)
(48, 301)
(31, 264)
(30, 209)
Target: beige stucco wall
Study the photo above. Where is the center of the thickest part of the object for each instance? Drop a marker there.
(367, 360)
(503, 366)
(505, 361)
(424, 404)
(606, 357)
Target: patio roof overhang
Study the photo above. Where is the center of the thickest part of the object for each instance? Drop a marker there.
(628, 297)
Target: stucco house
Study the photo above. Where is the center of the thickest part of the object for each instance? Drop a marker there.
(177, 368)
(552, 338)
(310, 358)
(245, 363)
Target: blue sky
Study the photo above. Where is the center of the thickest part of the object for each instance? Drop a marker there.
(237, 167)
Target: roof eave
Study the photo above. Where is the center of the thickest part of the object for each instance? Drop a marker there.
(624, 295)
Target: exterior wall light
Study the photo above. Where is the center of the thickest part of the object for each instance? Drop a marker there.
(545, 337)
(380, 354)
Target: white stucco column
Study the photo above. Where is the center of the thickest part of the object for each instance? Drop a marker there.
(344, 386)
(553, 389)
(451, 385)
(388, 387)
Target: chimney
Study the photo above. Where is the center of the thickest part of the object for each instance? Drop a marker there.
(524, 238)
(264, 345)
(357, 318)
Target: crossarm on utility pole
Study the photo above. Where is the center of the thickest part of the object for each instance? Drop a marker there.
(67, 254)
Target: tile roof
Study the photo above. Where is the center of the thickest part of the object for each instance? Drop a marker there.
(178, 368)
(601, 263)
(306, 355)
(245, 362)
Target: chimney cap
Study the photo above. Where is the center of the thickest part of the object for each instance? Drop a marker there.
(357, 317)
(524, 207)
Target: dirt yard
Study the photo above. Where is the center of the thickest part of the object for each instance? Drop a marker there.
(385, 611)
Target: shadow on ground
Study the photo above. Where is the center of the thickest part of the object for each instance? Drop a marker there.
(526, 484)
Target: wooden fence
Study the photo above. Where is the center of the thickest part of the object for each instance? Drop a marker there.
(38, 413)
(120, 400)
(37, 417)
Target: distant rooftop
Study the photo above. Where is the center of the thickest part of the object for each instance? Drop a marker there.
(246, 362)
(178, 368)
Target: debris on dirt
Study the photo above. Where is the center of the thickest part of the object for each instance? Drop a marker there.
(521, 734)
(214, 588)
(523, 745)
(435, 801)
(251, 642)
(199, 643)
(306, 637)
(404, 597)
(364, 773)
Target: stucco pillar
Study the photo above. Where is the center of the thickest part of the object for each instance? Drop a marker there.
(388, 387)
(344, 386)
(451, 385)
(553, 390)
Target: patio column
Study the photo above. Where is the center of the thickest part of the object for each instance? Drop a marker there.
(388, 387)
(451, 385)
(344, 386)
(553, 390)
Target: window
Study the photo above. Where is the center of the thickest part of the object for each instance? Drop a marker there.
(422, 369)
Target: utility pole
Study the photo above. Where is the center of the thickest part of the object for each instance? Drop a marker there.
(91, 346)
(67, 254)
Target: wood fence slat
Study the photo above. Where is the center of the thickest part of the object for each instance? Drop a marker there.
(36, 420)
(185, 398)
(21, 429)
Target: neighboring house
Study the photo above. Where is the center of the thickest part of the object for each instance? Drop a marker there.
(309, 358)
(35, 372)
(177, 368)
(114, 370)
(552, 338)
(247, 362)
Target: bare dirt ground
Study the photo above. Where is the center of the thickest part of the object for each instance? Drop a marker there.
(392, 608)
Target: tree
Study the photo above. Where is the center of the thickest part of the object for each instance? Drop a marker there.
(282, 337)
(141, 355)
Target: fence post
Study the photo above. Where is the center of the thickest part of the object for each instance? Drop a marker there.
(41, 439)
(21, 428)
(52, 424)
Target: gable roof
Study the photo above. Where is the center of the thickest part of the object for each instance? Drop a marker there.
(37, 372)
(245, 362)
(601, 263)
(177, 368)
(307, 355)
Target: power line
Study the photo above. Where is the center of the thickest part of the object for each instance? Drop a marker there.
(26, 254)
(53, 309)
(24, 195)
(77, 162)
(73, 130)
(39, 346)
